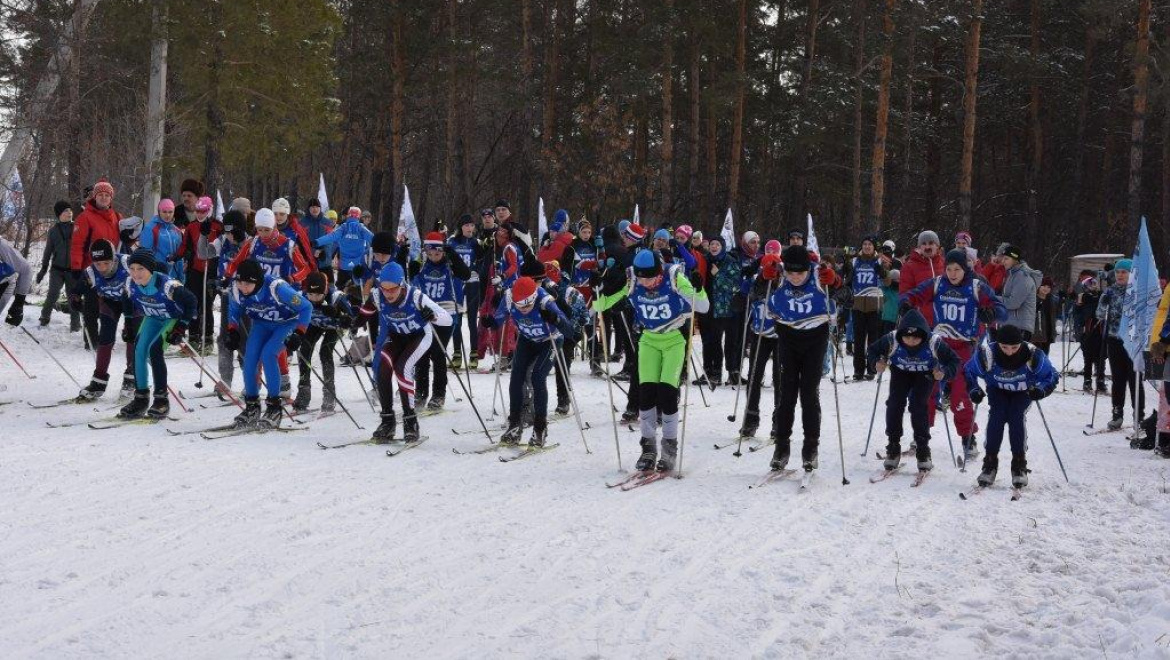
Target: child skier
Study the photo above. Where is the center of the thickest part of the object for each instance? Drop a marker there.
(441, 276)
(228, 246)
(800, 307)
(107, 275)
(662, 304)
(405, 333)
(1016, 373)
(280, 318)
(572, 304)
(167, 308)
(331, 313)
(352, 240)
(764, 327)
(539, 325)
(916, 359)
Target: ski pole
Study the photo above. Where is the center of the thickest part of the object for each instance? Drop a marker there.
(207, 310)
(560, 357)
(702, 394)
(1105, 352)
(682, 441)
(470, 399)
(950, 443)
(837, 404)
(178, 399)
(51, 356)
(751, 365)
(361, 385)
(609, 388)
(739, 364)
(187, 351)
(1054, 449)
(873, 415)
(309, 364)
(496, 391)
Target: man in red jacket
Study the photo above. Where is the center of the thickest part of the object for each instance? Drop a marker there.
(202, 265)
(923, 264)
(98, 220)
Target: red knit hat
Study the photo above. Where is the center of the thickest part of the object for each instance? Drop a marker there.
(524, 291)
(635, 232)
(434, 239)
(103, 186)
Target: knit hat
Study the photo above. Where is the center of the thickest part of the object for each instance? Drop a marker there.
(280, 205)
(927, 236)
(749, 236)
(193, 186)
(796, 258)
(1124, 264)
(698, 235)
(316, 282)
(773, 247)
(101, 250)
(204, 204)
(686, 231)
(622, 224)
(313, 202)
(873, 240)
(1012, 252)
(434, 239)
(251, 272)
(502, 203)
(634, 232)
(466, 219)
(647, 264)
(662, 234)
(142, 257)
(242, 204)
(331, 214)
(957, 256)
(486, 213)
(524, 291)
(353, 212)
(383, 243)
(103, 186)
(59, 208)
(233, 220)
(166, 205)
(392, 273)
(560, 220)
(964, 235)
(1009, 334)
(895, 275)
(796, 233)
(265, 218)
(889, 246)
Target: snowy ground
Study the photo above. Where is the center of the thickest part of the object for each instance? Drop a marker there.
(131, 543)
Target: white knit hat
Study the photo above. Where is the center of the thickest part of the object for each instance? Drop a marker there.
(266, 218)
(280, 205)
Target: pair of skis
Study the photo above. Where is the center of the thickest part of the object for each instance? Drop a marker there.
(639, 479)
(919, 478)
(232, 430)
(1016, 493)
(780, 475)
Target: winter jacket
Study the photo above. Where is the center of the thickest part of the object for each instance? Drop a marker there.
(296, 233)
(1109, 307)
(890, 303)
(1019, 296)
(199, 253)
(165, 241)
(57, 248)
(92, 225)
(724, 285)
(559, 250)
(995, 274)
(1045, 332)
(351, 240)
(317, 227)
(916, 270)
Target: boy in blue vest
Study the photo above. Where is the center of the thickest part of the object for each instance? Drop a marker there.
(440, 275)
(107, 276)
(864, 274)
(331, 315)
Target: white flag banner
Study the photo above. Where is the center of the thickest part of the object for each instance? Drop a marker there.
(728, 232)
(12, 199)
(407, 225)
(218, 205)
(811, 241)
(637, 216)
(541, 221)
(321, 196)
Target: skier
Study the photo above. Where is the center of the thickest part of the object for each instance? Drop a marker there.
(800, 307)
(583, 276)
(917, 359)
(280, 318)
(167, 308)
(764, 327)
(470, 251)
(864, 274)
(1088, 292)
(228, 246)
(407, 318)
(440, 276)
(331, 314)
(539, 324)
(106, 276)
(1016, 374)
(351, 240)
(662, 302)
(1109, 311)
(958, 300)
(573, 306)
(292, 229)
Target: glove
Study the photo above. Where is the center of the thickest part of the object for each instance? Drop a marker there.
(986, 315)
(696, 280)
(205, 228)
(904, 307)
(231, 338)
(609, 262)
(880, 366)
(358, 271)
(548, 316)
(40, 276)
(938, 374)
(176, 335)
(75, 303)
(496, 281)
(826, 276)
(330, 311)
(1035, 393)
(427, 314)
(127, 333)
(598, 242)
(15, 311)
(588, 265)
(293, 341)
(488, 322)
(977, 396)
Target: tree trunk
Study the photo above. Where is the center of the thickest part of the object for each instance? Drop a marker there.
(215, 116)
(856, 219)
(1081, 218)
(740, 100)
(1141, 79)
(934, 150)
(1165, 170)
(712, 162)
(447, 194)
(1036, 140)
(526, 66)
(156, 109)
(553, 24)
(397, 177)
(695, 127)
(908, 119)
(665, 186)
(797, 200)
(970, 90)
(882, 124)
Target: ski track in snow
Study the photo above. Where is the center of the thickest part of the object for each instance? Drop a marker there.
(131, 543)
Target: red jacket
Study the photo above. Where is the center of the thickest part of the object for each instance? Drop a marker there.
(556, 251)
(995, 274)
(92, 225)
(916, 270)
(300, 267)
(295, 232)
(191, 239)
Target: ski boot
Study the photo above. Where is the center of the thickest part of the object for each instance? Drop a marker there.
(990, 466)
(273, 411)
(436, 403)
(595, 370)
(669, 455)
(385, 431)
(923, 456)
(780, 455)
(473, 361)
(160, 407)
(301, 403)
(505, 364)
(456, 361)
(1088, 385)
(251, 413)
(511, 436)
(563, 407)
(751, 424)
(1115, 423)
(629, 416)
(137, 407)
(1101, 389)
(893, 454)
(539, 433)
(95, 389)
(1019, 471)
(808, 454)
(734, 380)
(410, 427)
(970, 448)
(1163, 449)
(621, 376)
(649, 455)
(128, 385)
(329, 402)
(285, 386)
(700, 381)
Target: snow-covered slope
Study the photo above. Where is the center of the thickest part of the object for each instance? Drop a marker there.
(132, 543)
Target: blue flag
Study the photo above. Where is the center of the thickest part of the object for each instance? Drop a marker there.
(1141, 300)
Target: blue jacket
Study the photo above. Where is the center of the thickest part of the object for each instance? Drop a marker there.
(165, 241)
(318, 226)
(351, 239)
(1034, 371)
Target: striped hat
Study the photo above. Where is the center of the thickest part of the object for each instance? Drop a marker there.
(634, 232)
